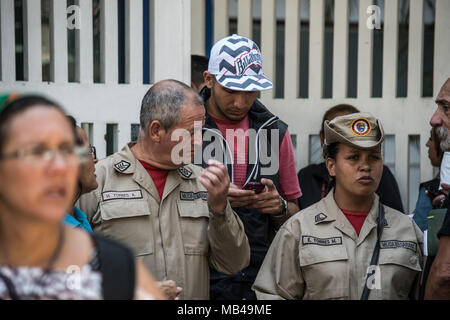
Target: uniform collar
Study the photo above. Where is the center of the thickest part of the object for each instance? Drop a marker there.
(125, 162)
(334, 213)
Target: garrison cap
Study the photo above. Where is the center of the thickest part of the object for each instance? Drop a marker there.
(359, 130)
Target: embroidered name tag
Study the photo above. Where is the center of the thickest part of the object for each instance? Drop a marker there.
(191, 196)
(111, 195)
(392, 244)
(334, 241)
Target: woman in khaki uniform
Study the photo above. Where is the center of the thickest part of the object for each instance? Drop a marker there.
(336, 249)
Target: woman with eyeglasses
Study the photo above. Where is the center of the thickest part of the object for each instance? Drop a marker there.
(40, 257)
(86, 179)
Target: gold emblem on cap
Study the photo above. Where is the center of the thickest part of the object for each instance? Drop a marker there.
(361, 127)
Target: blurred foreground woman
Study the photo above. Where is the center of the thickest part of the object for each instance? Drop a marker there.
(40, 257)
(348, 245)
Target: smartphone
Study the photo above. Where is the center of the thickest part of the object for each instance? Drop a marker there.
(258, 187)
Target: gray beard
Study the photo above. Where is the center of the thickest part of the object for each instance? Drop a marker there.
(444, 137)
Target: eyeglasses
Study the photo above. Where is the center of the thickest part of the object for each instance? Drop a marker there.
(93, 152)
(38, 155)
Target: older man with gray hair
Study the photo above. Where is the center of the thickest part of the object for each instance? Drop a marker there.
(438, 283)
(173, 214)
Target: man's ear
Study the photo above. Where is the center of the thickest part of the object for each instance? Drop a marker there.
(209, 79)
(331, 166)
(155, 131)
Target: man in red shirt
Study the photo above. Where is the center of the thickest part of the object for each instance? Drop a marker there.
(247, 130)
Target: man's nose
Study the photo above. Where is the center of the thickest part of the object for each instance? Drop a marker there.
(241, 100)
(436, 119)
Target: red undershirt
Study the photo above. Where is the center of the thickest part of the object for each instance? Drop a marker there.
(289, 186)
(159, 176)
(239, 145)
(356, 219)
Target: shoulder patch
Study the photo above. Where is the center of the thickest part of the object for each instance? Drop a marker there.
(186, 173)
(122, 165)
(334, 241)
(320, 217)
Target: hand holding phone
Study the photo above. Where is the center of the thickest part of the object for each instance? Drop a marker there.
(258, 187)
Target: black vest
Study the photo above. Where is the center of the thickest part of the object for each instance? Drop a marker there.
(259, 228)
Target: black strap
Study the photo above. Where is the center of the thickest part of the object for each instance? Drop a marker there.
(376, 251)
(118, 269)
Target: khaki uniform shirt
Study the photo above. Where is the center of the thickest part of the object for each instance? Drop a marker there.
(176, 236)
(317, 254)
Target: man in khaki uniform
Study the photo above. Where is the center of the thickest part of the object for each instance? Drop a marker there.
(320, 253)
(176, 218)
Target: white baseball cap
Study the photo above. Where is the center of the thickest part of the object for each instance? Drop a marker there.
(236, 62)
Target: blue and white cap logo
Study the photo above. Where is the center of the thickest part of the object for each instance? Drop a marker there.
(237, 64)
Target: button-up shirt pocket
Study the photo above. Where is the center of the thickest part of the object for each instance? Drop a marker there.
(129, 222)
(194, 219)
(325, 270)
(399, 268)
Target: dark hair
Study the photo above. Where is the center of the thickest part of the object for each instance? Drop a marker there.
(78, 142)
(331, 151)
(73, 123)
(338, 109)
(17, 106)
(199, 64)
(163, 102)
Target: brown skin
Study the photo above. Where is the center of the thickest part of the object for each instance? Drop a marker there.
(226, 104)
(433, 154)
(357, 173)
(34, 198)
(441, 116)
(86, 177)
(438, 283)
(156, 148)
(155, 145)
(170, 289)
